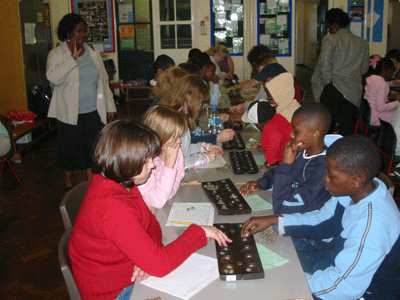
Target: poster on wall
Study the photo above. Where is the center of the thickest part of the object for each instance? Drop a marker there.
(274, 25)
(98, 15)
(227, 24)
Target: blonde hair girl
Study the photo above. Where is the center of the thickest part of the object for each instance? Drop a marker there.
(187, 97)
(164, 180)
(166, 81)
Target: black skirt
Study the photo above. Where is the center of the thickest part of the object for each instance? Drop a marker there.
(75, 142)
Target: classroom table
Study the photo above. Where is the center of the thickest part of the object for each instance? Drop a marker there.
(284, 282)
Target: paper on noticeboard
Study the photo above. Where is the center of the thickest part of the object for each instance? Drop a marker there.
(30, 33)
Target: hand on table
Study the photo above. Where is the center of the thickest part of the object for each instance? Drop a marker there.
(223, 117)
(257, 146)
(225, 135)
(257, 224)
(215, 149)
(289, 153)
(236, 116)
(250, 187)
(139, 274)
(233, 88)
(236, 108)
(216, 234)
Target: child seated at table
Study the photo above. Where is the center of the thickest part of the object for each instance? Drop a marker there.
(275, 130)
(362, 221)
(164, 180)
(377, 91)
(165, 82)
(114, 233)
(298, 181)
(187, 97)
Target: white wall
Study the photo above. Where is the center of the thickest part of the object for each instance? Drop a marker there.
(202, 13)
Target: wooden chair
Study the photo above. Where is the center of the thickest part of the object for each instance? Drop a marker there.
(364, 118)
(71, 202)
(387, 147)
(6, 158)
(65, 265)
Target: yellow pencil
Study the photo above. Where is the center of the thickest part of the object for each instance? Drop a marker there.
(179, 222)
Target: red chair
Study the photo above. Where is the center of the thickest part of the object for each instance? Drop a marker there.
(8, 155)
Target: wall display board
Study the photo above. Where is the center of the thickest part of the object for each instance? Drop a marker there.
(227, 24)
(98, 15)
(274, 25)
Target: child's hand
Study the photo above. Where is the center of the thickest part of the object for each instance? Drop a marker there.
(225, 135)
(257, 146)
(223, 117)
(216, 234)
(250, 187)
(232, 88)
(215, 149)
(235, 107)
(289, 153)
(396, 81)
(139, 274)
(236, 116)
(170, 152)
(211, 156)
(257, 224)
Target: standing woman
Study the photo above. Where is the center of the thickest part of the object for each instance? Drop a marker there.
(336, 81)
(82, 100)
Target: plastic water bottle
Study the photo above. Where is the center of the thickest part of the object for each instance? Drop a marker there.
(211, 120)
(218, 125)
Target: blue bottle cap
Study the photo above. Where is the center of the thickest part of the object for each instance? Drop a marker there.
(213, 107)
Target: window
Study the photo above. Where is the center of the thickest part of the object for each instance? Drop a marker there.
(175, 24)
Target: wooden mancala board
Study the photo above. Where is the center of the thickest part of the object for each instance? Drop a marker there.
(240, 260)
(226, 197)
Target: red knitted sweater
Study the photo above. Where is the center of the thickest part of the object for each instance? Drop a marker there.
(113, 232)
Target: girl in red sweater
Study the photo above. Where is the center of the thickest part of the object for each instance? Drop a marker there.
(114, 233)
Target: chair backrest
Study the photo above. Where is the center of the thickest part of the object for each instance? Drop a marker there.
(387, 139)
(10, 153)
(71, 202)
(65, 265)
(386, 281)
(389, 183)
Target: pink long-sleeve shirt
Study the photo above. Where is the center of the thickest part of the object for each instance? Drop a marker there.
(376, 93)
(163, 182)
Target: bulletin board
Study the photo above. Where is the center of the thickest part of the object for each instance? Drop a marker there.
(98, 15)
(227, 25)
(274, 25)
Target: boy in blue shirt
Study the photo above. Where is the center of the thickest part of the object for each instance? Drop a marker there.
(298, 181)
(362, 221)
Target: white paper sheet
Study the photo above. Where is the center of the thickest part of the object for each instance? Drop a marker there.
(193, 275)
(30, 33)
(217, 163)
(198, 213)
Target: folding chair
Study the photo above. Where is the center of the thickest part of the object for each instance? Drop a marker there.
(65, 265)
(71, 203)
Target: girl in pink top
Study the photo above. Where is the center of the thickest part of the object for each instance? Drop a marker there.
(164, 180)
(377, 90)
